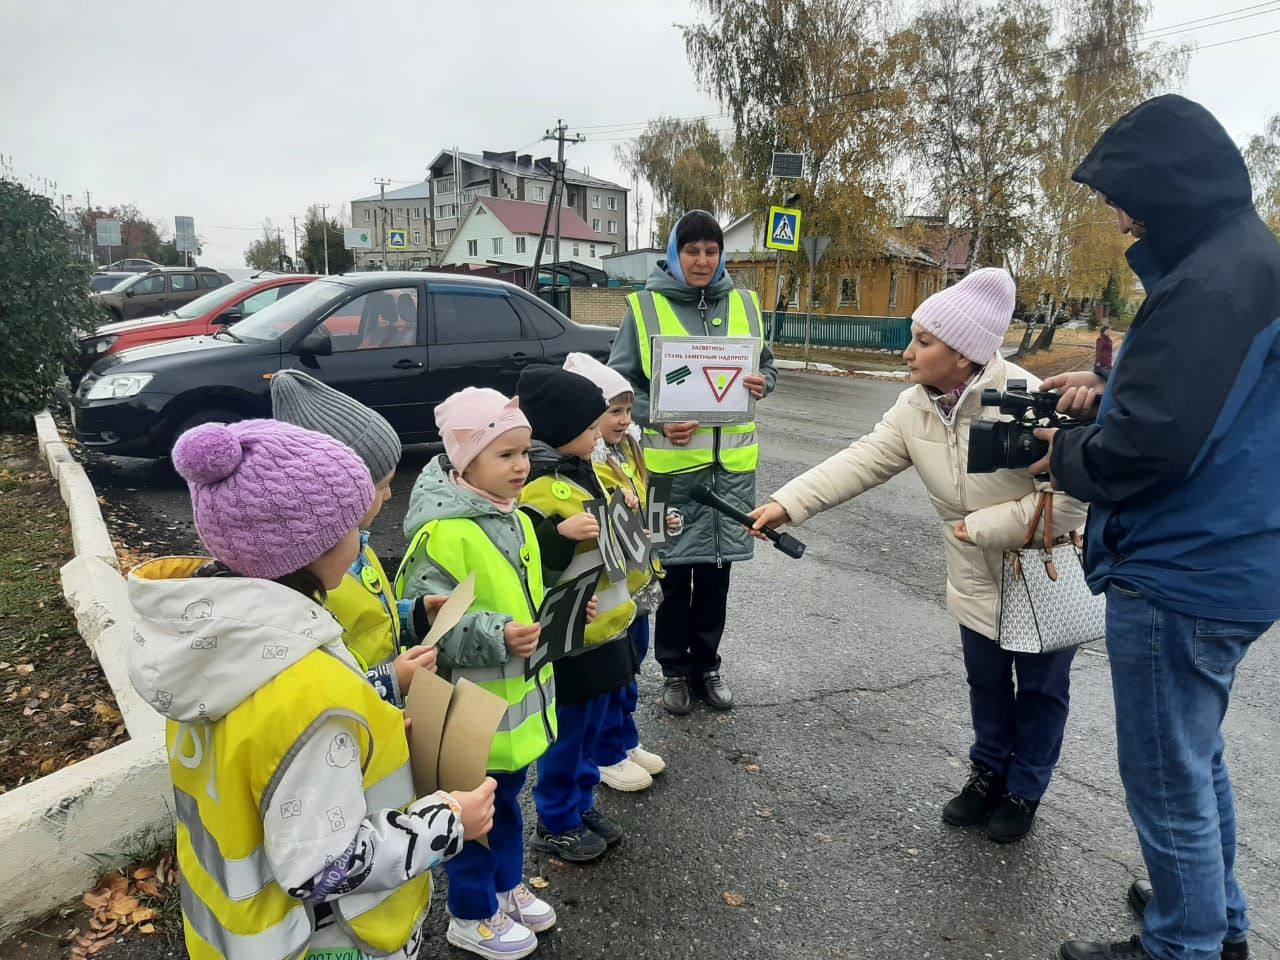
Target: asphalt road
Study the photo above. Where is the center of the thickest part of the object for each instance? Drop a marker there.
(816, 801)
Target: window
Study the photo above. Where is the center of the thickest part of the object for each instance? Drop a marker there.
(541, 318)
(444, 185)
(497, 246)
(444, 236)
(595, 201)
(851, 291)
(540, 193)
(613, 203)
(613, 226)
(595, 226)
(893, 289)
(210, 281)
(381, 318)
(367, 213)
(591, 251)
(446, 210)
(148, 285)
(520, 245)
(467, 315)
(417, 213)
(182, 282)
(577, 250)
(473, 248)
(417, 238)
(263, 298)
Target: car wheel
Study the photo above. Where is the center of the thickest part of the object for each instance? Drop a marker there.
(204, 416)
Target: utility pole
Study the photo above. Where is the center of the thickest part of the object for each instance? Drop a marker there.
(561, 139)
(382, 208)
(324, 226)
(295, 241)
(280, 247)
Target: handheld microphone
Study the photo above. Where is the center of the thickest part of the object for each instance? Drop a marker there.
(783, 541)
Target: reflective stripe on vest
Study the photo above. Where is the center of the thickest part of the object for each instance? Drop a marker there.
(224, 776)
(738, 449)
(553, 495)
(366, 608)
(458, 546)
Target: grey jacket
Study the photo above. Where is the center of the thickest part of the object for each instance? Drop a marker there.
(708, 537)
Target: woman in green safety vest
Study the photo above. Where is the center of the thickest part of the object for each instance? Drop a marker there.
(691, 294)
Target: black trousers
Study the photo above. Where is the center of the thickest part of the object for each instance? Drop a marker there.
(690, 622)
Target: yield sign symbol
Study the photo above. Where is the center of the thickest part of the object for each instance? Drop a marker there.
(721, 379)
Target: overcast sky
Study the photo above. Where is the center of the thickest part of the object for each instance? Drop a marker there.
(234, 112)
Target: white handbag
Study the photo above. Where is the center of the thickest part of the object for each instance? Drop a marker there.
(1045, 604)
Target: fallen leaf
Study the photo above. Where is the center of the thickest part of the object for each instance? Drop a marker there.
(123, 907)
(147, 928)
(733, 899)
(539, 883)
(148, 888)
(143, 873)
(25, 669)
(751, 767)
(142, 915)
(765, 812)
(48, 767)
(96, 900)
(106, 713)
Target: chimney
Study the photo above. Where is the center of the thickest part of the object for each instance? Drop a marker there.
(496, 157)
(525, 160)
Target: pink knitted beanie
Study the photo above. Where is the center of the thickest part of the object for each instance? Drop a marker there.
(972, 316)
(473, 418)
(268, 497)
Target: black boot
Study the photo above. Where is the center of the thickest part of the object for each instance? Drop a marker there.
(1131, 949)
(1140, 894)
(676, 696)
(1012, 818)
(972, 805)
(715, 691)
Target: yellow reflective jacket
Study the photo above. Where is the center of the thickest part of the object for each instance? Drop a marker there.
(366, 607)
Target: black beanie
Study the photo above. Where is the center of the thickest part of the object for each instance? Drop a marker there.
(559, 404)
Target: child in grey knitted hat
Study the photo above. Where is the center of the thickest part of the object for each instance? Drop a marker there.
(375, 626)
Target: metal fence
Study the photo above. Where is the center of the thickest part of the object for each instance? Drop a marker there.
(857, 333)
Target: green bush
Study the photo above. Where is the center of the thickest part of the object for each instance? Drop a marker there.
(44, 301)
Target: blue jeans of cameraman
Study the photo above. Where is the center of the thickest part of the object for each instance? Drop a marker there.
(1171, 675)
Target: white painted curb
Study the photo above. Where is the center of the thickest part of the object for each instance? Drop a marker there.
(61, 832)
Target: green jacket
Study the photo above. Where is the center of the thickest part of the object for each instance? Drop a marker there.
(707, 535)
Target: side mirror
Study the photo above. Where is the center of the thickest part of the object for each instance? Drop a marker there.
(228, 317)
(129, 292)
(315, 344)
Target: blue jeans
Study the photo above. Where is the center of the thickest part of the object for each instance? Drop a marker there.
(1171, 675)
(1017, 731)
(567, 774)
(620, 734)
(479, 873)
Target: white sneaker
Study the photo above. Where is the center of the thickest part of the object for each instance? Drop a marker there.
(498, 938)
(627, 776)
(523, 907)
(651, 762)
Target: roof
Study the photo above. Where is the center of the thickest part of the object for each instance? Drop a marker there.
(635, 250)
(533, 168)
(415, 191)
(521, 216)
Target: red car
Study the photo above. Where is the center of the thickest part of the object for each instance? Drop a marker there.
(203, 316)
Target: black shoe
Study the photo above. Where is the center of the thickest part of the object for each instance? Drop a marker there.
(1012, 818)
(1131, 949)
(676, 696)
(610, 831)
(579, 845)
(972, 805)
(1140, 894)
(715, 691)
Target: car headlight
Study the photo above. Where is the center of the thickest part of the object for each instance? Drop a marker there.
(116, 386)
(92, 346)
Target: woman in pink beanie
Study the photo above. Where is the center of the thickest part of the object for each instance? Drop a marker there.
(298, 829)
(953, 356)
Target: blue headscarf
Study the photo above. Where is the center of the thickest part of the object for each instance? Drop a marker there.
(673, 255)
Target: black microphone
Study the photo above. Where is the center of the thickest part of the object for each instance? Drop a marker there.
(783, 541)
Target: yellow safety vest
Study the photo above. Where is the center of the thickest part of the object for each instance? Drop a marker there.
(223, 774)
(458, 546)
(630, 476)
(366, 608)
(735, 444)
(552, 495)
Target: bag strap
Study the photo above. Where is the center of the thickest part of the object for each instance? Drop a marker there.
(1035, 520)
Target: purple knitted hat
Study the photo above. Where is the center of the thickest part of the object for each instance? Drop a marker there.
(269, 497)
(971, 318)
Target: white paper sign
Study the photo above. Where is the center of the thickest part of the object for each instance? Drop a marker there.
(702, 379)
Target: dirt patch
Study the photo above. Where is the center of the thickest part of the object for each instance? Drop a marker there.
(56, 707)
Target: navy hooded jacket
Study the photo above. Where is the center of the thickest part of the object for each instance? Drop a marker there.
(1182, 466)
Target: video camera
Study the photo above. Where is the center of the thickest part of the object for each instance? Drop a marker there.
(1012, 444)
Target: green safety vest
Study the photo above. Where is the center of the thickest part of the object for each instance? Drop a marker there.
(735, 444)
(459, 546)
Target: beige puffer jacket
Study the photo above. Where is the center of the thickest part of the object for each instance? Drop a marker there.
(995, 507)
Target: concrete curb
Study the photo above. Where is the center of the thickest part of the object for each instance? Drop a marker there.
(61, 832)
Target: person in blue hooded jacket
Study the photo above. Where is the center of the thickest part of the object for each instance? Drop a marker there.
(691, 294)
(1179, 468)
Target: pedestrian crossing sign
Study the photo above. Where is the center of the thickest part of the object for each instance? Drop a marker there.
(784, 229)
(397, 239)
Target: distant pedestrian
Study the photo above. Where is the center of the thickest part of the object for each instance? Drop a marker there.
(1102, 350)
(954, 355)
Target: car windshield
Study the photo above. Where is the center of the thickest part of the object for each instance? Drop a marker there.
(213, 300)
(129, 282)
(272, 322)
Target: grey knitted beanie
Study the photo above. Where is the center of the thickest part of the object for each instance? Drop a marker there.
(304, 401)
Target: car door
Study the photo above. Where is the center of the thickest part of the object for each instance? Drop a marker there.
(477, 340)
(379, 356)
(183, 288)
(148, 300)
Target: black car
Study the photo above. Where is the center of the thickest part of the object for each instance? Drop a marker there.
(102, 282)
(398, 342)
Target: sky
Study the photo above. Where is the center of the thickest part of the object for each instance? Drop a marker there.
(236, 112)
